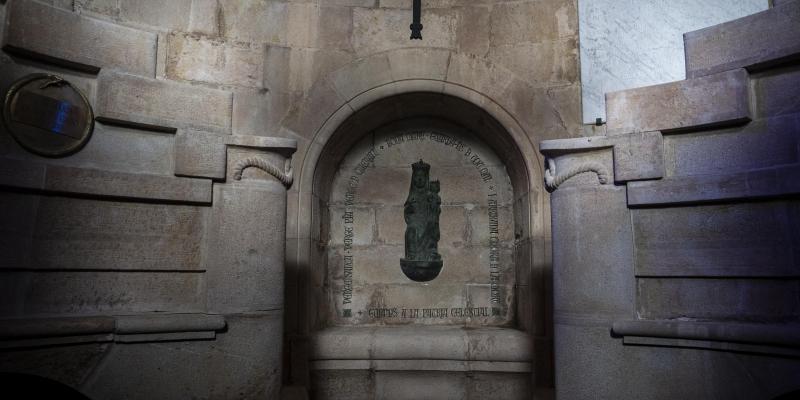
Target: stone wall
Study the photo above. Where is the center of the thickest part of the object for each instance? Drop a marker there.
(141, 265)
(688, 212)
(181, 77)
(464, 287)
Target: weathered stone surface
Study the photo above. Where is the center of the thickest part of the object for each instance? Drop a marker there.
(376, 29)
(254, 22)
(760, 144)
(302, 24)
(193, 58)
(253, 112)
(753, 41)
(410, 385)
(200, 154)
(204, 155)
(776, 92)
(117, 184)
(759, 333)
(556, 61)
(513, 22)
(770, 182)
(363, 232)
(711, 100)
(105, 292)
(486, 385)
(167, 15)
(82, 43)
(104, 183)
(337, 29)
(120, 149)
(161, 105)
(639, 156)
(605, 286)
(473, 29)
(331, 384)
(419, 63)
(203, 18)
(402, 343)
(244, 256)
(742, 240)
(85, 234)
(768, 300)
(243, 357)
(625, 365)
(366, 74)
(109, 8)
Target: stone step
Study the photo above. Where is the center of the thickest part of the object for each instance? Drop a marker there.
(715, 100)
(756, 41)
(60, 37)
(108, 184)
(162, 105)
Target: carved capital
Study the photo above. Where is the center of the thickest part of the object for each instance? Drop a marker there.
(286, 176)
(553, 180)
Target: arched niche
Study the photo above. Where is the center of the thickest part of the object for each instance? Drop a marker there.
(438, 118)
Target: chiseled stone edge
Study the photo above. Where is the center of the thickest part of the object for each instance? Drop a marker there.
(715, 100)
(767, 334)
(73, 41)
(111, 109)
(84, 181)
(203, 155)
(33, 332)
(756, 41)
(399, 343)
(761, 183)
(424, 365)
(637, 156)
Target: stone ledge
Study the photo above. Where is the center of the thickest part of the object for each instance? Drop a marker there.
(60, 37)
(161, 105)
(710, 345)
(715, 100)
(423, 365)
(34, 332)
(422, 343)
(756, 41)
(637, 156)
(84, 181)
(770, 182)
(204, 155)
(787, 335)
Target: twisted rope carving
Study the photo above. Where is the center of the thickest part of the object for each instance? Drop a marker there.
(552, 180)
(286, 177)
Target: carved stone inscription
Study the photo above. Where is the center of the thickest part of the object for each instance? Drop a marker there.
(440, 206)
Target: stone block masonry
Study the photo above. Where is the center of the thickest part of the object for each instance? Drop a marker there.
(67, 39)
(162, 105)
(695, 103)
(759, 40)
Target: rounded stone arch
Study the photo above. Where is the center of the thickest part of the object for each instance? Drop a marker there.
(332, 114)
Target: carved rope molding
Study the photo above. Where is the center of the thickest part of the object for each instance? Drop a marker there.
(552, 180)
(286, 177)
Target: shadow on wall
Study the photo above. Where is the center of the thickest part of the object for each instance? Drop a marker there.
(37, 387)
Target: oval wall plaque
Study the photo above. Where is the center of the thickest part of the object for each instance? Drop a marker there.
(47, 115)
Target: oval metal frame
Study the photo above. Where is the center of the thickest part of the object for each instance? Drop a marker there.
(22, 82)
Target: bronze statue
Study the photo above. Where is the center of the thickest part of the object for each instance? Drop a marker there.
(421, 211)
